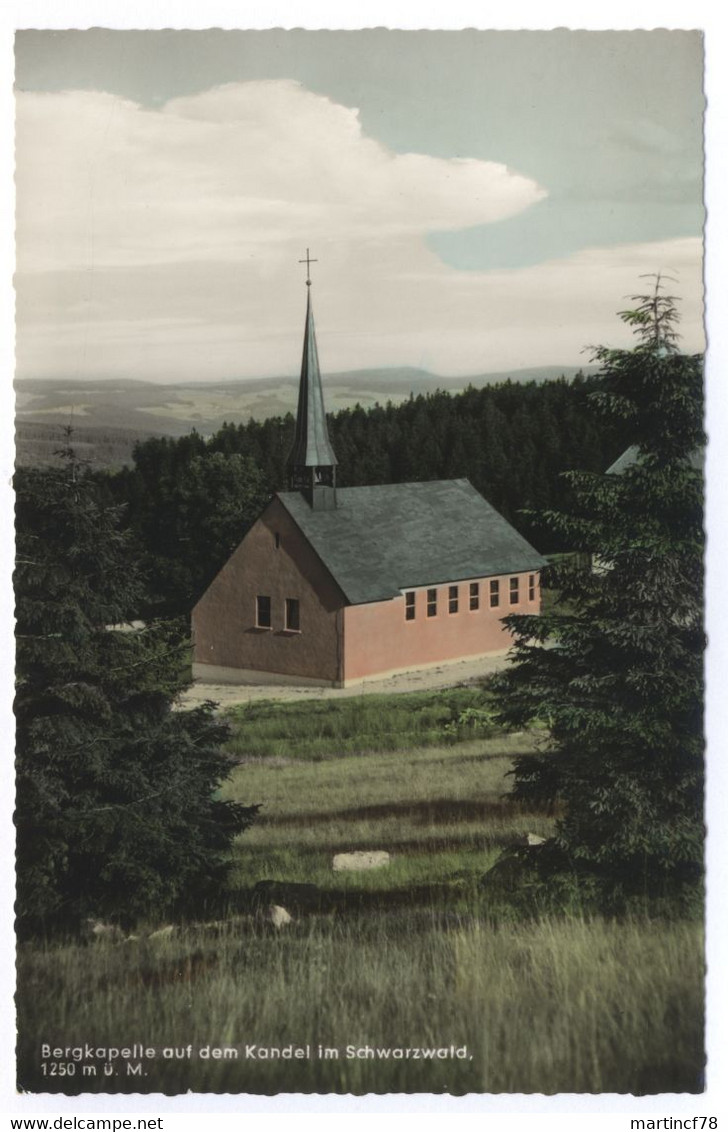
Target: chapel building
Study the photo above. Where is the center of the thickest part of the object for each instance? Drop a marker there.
(335, 585)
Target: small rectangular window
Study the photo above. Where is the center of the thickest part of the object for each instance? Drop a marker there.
(293, 615)
(514, 591)
(409, 607)
(262, 612)
(278, 540)
(452, 601)
(475, 595)
(494, 593)
(432, 603)
(531, 587)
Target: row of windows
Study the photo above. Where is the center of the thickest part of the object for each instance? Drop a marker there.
(264, 613)
(453, 596)
(292, 608)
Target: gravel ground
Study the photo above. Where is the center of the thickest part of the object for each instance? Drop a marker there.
(442, 676)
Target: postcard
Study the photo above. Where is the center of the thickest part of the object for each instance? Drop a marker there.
(360, 452)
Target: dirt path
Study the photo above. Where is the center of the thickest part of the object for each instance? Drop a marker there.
(443, 676)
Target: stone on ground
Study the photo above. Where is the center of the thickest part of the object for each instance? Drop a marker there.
(101, 932)
(278, 916)
(363, 859)
(163, 933)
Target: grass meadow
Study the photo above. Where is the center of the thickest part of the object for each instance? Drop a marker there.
(407, 957)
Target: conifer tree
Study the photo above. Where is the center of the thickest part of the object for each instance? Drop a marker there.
(190, 506)
(614, 670)
(115, 810)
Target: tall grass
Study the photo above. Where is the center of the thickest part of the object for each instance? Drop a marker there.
(322, 728)
(411, 955)
(551, 1006)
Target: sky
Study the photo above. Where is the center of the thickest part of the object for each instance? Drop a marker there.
(476, 201)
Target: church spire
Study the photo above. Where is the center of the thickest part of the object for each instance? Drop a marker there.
(311, 462)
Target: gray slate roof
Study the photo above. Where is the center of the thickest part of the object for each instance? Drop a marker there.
(631, 456)
(383, 539)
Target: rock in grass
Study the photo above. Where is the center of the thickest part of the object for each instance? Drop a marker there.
(278, 916)
(528, 840)
(162, 933)
(103, 933)
(534, 839)
(357, 862)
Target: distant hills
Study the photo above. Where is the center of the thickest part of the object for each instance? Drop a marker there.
(108, 417)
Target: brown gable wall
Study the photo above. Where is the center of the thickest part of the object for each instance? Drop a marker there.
(224, 620)
(378, 638)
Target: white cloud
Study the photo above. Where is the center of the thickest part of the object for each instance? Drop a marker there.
(163, 244)
(230, 172)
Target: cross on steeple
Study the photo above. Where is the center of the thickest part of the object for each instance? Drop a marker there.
(308, 261)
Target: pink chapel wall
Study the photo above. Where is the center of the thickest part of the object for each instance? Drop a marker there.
(379, 639)
(224, 620)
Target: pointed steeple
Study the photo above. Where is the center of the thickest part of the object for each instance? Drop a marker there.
(311, 462)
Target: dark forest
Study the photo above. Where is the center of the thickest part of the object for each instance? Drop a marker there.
(189, 501)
